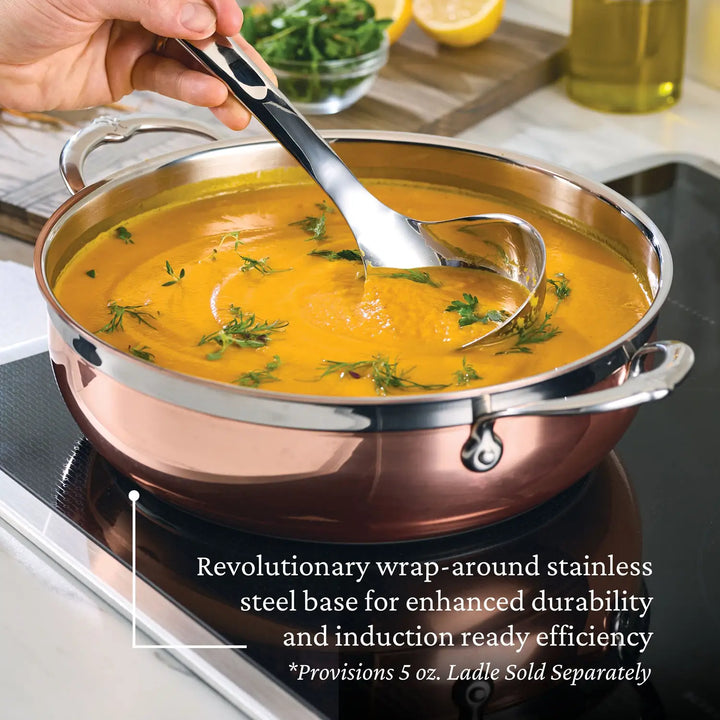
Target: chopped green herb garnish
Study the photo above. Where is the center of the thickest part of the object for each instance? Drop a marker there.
(495, 316)
(313, 226)
(314, 30)
(532, 335)
(535, 333)
(385, 375)
(260, 265)
(561, 286)
(225, 236)
(324, 207)
(332, 255)
(468, 311)
(124, 234)
(418, 276)
(467, 374)
(175, 278)
(242, 331)
(118, 313)
(142, 353)
(90, 273)
(255, 378)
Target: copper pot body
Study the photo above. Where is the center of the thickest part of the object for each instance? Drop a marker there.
(312, 484)
(339, 469)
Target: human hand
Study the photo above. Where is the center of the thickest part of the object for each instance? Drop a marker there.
(70, 54)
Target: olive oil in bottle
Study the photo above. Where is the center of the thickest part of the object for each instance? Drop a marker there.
(626, 55)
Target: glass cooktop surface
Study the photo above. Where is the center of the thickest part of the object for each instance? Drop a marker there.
(655, 500)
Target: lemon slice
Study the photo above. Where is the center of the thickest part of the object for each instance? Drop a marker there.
(399, 10)
(459, 23)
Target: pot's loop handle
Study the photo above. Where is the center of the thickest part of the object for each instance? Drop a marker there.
(104, 130)
(483, 449)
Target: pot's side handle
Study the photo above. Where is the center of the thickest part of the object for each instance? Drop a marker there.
(483, 449)
(104, 130)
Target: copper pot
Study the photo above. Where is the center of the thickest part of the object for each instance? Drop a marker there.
(354, 469)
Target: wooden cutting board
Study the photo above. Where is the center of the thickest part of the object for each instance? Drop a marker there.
(428, 88)
(424, 88)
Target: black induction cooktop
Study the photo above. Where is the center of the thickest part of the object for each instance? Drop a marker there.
(655, 500)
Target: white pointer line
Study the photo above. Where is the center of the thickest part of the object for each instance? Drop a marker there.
(134, 496)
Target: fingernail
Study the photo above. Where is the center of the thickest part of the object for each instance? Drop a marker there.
(197, 17)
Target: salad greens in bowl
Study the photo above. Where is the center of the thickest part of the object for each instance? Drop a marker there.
(326, 53)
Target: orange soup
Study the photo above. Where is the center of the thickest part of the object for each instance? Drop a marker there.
(264, 288)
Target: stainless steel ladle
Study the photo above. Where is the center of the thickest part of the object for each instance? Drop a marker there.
(511, 246)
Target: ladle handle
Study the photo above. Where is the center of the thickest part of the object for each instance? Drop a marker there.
(371, 222)
(230, 63)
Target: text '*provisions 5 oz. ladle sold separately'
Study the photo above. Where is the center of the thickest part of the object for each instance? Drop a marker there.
(386, 238)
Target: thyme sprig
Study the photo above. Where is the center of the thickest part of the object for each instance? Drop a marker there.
(242, 331)
(561, 287)
(124, 234)
(466, 374)
(234, 235)
(261, 265)
(255, 378)
(175, 278)
(315, 226)
(418, 276)
(384, 374)
(468, 312)
(536, 333)
(118, 313)
(333, 255)
(532, 335)
(142, 352)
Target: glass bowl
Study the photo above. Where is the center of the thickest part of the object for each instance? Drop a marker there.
(325, 87)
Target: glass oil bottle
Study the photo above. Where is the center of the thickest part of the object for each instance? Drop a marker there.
(627, 55)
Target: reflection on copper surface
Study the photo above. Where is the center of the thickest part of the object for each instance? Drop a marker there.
(596, 517)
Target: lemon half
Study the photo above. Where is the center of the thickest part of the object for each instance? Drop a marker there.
(459, 23)
(399, 10)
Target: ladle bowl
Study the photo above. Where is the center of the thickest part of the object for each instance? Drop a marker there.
(508, 245)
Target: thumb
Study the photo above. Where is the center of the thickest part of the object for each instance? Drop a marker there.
(191, 19)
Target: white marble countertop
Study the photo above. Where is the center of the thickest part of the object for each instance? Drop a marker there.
(549, 126)
(64, 653)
